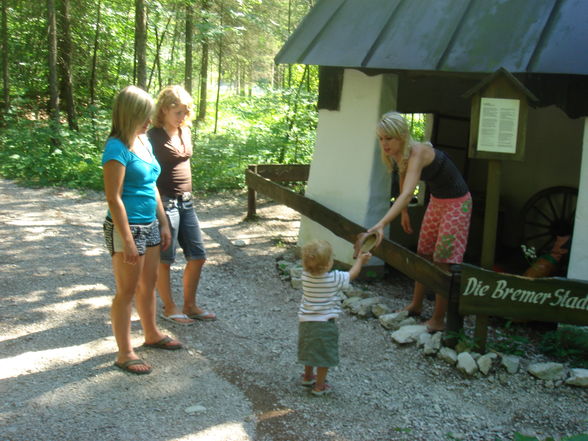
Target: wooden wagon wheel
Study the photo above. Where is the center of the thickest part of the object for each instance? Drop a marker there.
(548, 214)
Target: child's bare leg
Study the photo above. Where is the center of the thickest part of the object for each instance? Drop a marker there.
(321, 376)
(308, 373)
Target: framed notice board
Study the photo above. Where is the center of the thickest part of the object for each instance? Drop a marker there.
(498, 122)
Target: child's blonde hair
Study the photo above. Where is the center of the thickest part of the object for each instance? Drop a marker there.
(132, 107)
(317, 257)
(169, 98)
(394, 125)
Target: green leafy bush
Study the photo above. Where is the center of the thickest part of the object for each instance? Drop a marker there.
(34, 153)
(569, 343)
(276, 127)
(253, 130)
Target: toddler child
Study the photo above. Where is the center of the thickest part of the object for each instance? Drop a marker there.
(318, 335)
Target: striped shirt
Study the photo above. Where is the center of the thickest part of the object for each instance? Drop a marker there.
(321, 296)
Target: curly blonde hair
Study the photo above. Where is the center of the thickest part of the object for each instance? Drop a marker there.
(169, 98)
(394, 125)
(317, 257)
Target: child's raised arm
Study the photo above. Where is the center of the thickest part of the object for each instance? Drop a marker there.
(359, 262)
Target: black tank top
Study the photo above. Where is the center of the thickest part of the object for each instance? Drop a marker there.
(443, 178)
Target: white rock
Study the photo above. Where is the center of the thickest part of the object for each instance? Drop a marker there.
(466, 364)
(353, 291)
(485, 362)
(448, 355)
(424, 339)
(364, 307)
(547, 371)
(195, 409)
(436, 340)
(407, 321)
(350, 301)
(511, 363)
(408, 334)
(380, 309)
(578, 377)
(432, 344)
(393, 320)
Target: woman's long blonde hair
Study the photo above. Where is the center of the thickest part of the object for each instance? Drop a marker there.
(169, 98)
(394, 125)
(132, 107)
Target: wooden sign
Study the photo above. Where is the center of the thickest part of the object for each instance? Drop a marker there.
(499, 117)
(551, 299)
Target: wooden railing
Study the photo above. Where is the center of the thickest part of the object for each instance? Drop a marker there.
(264, 179)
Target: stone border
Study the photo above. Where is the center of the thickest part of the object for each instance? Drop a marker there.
(405, 331)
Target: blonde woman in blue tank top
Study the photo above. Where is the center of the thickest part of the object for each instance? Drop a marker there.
(135, 225)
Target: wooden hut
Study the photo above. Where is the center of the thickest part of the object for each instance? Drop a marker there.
(423, 56)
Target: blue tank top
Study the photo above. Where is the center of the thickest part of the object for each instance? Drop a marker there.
(139, 185)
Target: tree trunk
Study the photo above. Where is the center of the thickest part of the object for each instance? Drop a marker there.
(203, 68)
(5, 75)
(220, 71)
(157, 60)
(189, 40)
(141, 43)
(171, 64)
(52, 42)
(95, 58)
(65, 49)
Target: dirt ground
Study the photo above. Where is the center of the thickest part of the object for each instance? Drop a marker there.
(237, 378)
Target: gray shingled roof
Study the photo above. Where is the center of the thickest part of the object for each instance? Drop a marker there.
(533, 36)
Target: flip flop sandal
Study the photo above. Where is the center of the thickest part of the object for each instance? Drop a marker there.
(204, 316)
(320, 392)
(166, 343)
(175, 318)
(126, 366)
(434, 331)
(307, 383)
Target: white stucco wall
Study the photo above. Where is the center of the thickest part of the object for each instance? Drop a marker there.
(578, 267)
(346, 173)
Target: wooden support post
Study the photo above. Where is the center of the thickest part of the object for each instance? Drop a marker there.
(251, 198)
(489, 242)
(454, 319)
(491, 213)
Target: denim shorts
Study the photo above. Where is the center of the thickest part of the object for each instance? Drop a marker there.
(185, 231)
(144, 236)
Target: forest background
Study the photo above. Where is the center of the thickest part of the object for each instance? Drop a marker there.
(63, 63)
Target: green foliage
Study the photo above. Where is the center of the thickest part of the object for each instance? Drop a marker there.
(568, 343)
(253, 130)
(507, 341)
(416, 122)
(29, 154)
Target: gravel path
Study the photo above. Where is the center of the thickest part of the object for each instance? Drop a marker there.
(237, 378)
